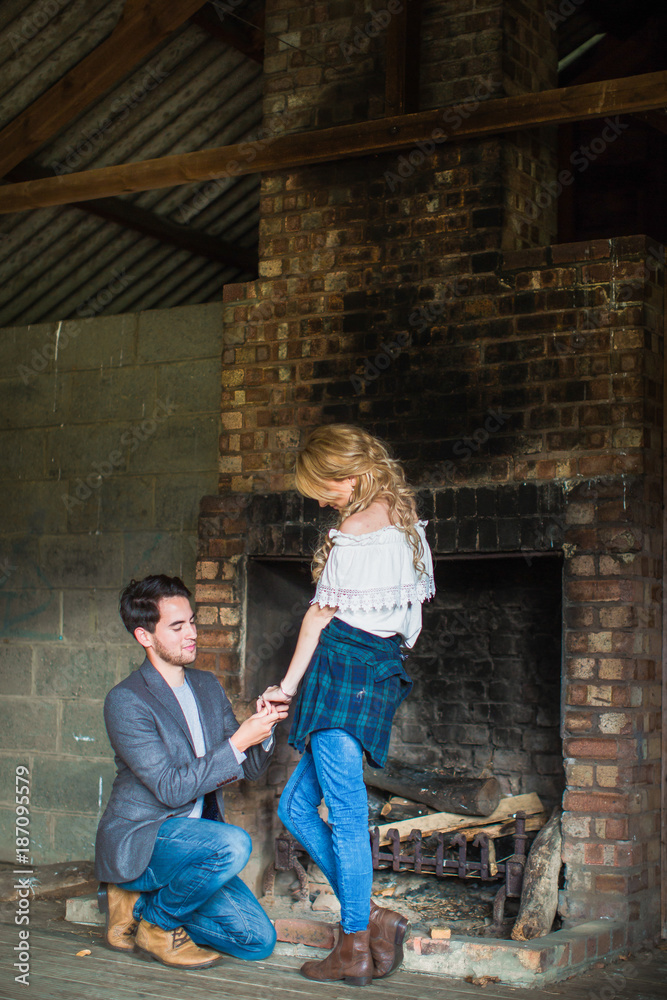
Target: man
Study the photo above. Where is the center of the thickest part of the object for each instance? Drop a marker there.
(173, 889)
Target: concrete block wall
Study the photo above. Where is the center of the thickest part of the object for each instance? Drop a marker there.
(108, 440)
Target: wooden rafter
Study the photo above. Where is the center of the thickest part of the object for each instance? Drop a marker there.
(142, 220)
(401, 92)
(594, 100)
(142, 26)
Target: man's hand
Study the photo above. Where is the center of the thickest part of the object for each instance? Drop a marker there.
(258, 727)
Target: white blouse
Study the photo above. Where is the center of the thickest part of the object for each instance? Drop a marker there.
(373, 582)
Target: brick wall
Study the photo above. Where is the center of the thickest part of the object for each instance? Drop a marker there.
(336, 74)
(556, 349)
(325, 62)
(109, 440)
(545, 370)
(611, 721)
(411, 293)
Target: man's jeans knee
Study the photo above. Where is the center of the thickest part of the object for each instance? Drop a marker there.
(192, 881)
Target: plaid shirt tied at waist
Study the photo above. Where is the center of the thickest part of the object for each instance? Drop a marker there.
(355, 681)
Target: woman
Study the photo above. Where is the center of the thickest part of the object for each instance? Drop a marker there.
(372, 573)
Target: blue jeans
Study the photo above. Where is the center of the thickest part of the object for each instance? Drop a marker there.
(342, 850)
(192, 881)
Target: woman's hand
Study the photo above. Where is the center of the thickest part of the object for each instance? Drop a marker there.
(274, 696)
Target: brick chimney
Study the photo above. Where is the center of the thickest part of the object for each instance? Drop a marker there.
(409, 293)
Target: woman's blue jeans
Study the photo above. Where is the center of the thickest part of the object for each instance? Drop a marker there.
(192, 881)
(334, 770)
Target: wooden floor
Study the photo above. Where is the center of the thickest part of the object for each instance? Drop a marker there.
(57, 974)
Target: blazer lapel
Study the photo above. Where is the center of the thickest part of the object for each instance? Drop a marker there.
(200, 698)
(159, 688)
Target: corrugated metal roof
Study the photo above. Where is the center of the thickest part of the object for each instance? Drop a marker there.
(192, 92)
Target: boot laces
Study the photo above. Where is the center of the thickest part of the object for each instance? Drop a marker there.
(180, 937)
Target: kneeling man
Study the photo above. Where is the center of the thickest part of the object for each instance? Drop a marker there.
(170, 862)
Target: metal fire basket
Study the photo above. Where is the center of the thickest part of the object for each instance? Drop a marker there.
(413, 859)
(285, 860)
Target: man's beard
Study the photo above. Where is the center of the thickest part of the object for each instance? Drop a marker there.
(181, 659)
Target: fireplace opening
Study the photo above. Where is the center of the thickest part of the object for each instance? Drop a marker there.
(278, 593)
(486, 702)
(487, 672)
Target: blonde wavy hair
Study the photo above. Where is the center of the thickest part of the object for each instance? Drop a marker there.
(336, 451)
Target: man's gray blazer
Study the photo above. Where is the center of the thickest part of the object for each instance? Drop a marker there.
(159, 774)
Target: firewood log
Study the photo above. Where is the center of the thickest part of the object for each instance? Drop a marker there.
(464, 796)
(494, 824)
(539, 895)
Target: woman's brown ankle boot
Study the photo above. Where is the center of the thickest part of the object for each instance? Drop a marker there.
(350, 961)
(388, 930)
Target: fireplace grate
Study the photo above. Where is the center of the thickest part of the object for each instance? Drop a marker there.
(487, 869)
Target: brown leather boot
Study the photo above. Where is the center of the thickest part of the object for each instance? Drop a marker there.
(350, 961)
(118, 904)
(388, 929)
(173, 948)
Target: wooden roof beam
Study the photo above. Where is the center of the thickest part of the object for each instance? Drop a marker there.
(143, 25)
(452, 124)
(142, 220)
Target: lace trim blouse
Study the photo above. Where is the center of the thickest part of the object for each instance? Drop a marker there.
(373, 582)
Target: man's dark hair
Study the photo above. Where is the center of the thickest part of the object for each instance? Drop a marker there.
(139, 600)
